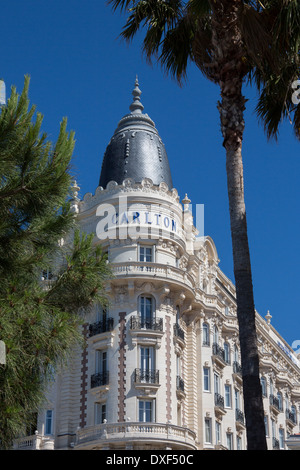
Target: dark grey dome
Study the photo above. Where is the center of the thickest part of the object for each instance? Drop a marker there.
(136, 150)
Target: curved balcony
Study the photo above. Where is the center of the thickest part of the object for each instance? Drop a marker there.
(136, 434)
(131, 269)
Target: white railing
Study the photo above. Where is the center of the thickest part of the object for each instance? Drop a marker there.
(136, 430)
(160, 270)
(34, 442)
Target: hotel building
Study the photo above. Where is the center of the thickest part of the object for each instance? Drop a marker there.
(161, 369)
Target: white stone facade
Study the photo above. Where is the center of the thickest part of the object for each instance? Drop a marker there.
(162, 369)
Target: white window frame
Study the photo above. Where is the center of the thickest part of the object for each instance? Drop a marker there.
(101, 361)
(100, 412)
(147, 358)
(227, 396)
(142, 249)
(206, 379)
(206, 334)
(229, 440)
(143, 313)
(142, 408)
(218, 432)
(207, 431)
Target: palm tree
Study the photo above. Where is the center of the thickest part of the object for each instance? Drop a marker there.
(230, 41)
(279, 93)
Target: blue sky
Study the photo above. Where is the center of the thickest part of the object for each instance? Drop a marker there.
(79, 68)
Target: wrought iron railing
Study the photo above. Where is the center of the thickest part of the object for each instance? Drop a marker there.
(291, 416)
(275, 443)
(219, 400)
(99, 379)
(149, 376)
(218, 351)
(178, 332)
(239, 416)
(179, 383)
(138, 323)
(237, 368)
(101, 327)
(275, 402)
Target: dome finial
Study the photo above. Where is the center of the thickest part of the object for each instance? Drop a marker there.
(136, 106)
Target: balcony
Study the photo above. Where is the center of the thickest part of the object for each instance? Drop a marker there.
(180, 387)
(146, 379)
(34, 442)
(239, 419)
(101, 327)
(99, 379)
(152, 270)
(219, 405)
(149, 330)
(275, 443)
(218, 354)
(274, 404)
(137, 323)
(290, 417)
(156, 436)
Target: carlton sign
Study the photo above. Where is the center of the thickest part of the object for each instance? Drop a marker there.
(124, 222)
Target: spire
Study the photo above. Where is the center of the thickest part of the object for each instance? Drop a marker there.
(136, 106)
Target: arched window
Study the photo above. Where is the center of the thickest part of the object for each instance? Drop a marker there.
(146, 310)
(205, 328)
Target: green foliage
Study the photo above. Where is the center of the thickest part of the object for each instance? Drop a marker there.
(39, 319)
(179, 32)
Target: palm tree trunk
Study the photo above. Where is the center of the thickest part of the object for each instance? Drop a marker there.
(229, 56)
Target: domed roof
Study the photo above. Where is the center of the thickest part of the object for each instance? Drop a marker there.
(135, 150)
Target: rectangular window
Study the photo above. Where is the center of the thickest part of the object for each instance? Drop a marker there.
(216, 383)
(207, 430)
(146, 254)
(100, 413)
(101, 362)
(146, 311)
(206, 379)
(49, 422)
(228, 396)
(266, 425)
(281, 438)
(229, 441)
(146, 411)
(238, 443)
(218, 433)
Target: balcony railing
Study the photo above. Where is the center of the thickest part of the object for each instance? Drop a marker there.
(291, 416)
(275, 402)
(101, 327)
(237, 368)
(218, 351)
(239, 416)
(99, 379)
(275, 443)
(138, 323)
(219, 400)
(179, 383)
(178, 332)
(150, 432)
(149, 376)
